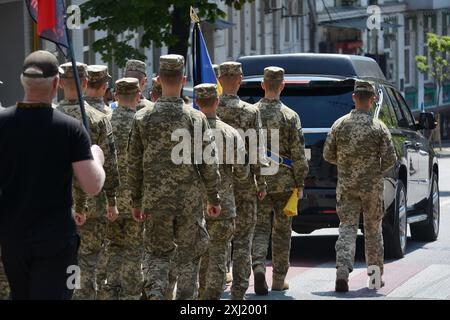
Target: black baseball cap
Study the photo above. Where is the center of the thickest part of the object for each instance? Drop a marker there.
(44, 62)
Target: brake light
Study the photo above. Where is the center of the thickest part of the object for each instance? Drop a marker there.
(327, 211)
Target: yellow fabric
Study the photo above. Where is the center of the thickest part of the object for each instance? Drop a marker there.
(291, 209)
(219, 88)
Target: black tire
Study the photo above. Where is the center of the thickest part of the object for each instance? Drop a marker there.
(395, 235)
(428, 230)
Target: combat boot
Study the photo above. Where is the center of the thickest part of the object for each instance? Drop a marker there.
(342, 275)
(261, 287)
(279, 285)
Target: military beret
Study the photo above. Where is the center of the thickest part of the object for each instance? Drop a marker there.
(68, 70)
(156, 87)
(206, 91)
(136, 65)
(171, 62)
(216, 69)
(127, 86)
(273, 73)
(98, 73)
(43, 63)
(364, 86)
(230, 69)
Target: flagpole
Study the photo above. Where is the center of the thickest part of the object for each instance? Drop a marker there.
(77, 78)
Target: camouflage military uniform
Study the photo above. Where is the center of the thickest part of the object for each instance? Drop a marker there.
(171, 195)
(125, 235)
(92, 233)
(99, 105)
(4, 285)
(271, 218)
(221, 229)
(362, 149)
(242, 116)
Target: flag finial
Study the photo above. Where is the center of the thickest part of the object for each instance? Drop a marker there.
(194, 16)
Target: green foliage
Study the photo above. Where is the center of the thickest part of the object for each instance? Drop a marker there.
(437, 65)
(154, 19)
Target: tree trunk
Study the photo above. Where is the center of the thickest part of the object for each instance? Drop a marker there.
(181, 30)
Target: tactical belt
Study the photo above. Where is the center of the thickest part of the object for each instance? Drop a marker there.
(280, 159)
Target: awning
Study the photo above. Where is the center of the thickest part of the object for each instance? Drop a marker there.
(221, 24)
(355, 23)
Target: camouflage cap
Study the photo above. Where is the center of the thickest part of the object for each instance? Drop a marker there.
(206, 91)
(136, 65)
(98, 73)
(216, 69)
(230, 69)
(68, 70)
(171, 62)
(364, 86)
(156, 87)
(127, 86)
(274, 73)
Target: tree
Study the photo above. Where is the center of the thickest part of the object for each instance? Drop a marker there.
(437, 65)
(159, 21)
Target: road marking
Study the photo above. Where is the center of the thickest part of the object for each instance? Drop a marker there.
(431, 283)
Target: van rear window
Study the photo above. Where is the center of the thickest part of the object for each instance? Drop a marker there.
(317, 107)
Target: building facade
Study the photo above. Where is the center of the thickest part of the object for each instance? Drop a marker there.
(271, 27)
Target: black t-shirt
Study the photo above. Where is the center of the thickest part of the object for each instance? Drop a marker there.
(37, 148)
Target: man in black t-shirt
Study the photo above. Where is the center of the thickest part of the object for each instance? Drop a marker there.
(41, 149)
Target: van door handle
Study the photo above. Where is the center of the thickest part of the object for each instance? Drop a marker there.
(407, 144)
(419, 145)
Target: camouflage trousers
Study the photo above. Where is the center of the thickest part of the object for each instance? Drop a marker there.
(272, 220)
(4, 284)
(92, 235)
(242, 242)
(169, 231)
(350, 204)
(124, 278)
(213, 266)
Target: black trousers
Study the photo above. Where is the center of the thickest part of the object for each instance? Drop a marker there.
(40, 270)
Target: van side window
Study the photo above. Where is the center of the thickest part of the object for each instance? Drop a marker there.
(401, 118)
(405, 109)
(387, 115)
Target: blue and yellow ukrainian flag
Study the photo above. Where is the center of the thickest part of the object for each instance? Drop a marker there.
(203, 71)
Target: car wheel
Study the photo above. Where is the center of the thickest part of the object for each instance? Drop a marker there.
(428, 230)
(395, 238)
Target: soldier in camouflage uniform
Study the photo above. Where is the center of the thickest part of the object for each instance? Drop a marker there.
(362, 149)
(291, 175)
(90, 212)
(156, 92)
(138, 69)
(170, 194)
(221, 229)
(98, 77)
(125, 235)
(241, 116)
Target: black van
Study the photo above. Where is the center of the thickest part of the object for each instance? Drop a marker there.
(319, 88)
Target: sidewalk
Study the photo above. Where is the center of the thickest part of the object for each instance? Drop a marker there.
(445, 152)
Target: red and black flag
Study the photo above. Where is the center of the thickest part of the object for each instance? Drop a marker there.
(49, 16)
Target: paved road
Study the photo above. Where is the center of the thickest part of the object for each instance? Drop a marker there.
(424, 273)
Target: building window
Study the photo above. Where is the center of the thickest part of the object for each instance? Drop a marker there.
(243, 27)
(429, 25)
(230, 34)
(410, 51)
(446, 24)
(253, 26)
(88, 40)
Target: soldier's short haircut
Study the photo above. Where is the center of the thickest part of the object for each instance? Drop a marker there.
(272, 85)
(167, 76)
(363, 95)
(97, 85)
(205, 102)
(135, 74)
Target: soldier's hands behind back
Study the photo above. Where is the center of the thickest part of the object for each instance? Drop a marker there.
(262, 195)
(112, 213)
(138, 215)
(214, 211)
(80, 219)
(300, 194)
